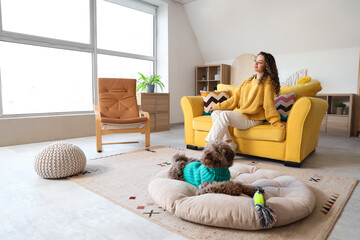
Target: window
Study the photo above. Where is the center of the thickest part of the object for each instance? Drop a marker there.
(59, 19)
(136, 37)
(113, 66)
(40, 80)
(50, 56)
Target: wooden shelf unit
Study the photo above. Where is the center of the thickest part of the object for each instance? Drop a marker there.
(336, 124)
(208, 72)
(158, 106)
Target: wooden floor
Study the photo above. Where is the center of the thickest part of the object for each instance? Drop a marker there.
(35, 208)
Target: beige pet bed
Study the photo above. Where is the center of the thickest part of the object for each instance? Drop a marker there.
(290, 198)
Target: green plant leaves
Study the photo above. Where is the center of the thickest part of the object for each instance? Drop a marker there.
(340, 104)
(152, 80)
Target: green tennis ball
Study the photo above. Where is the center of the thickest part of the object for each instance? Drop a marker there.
(258, 198)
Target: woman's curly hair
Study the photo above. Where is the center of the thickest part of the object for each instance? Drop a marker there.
(270, 70)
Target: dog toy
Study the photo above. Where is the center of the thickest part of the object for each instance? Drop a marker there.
(266, 214)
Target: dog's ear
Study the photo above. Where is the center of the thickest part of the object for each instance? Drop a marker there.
(229, 155)
(179, 157)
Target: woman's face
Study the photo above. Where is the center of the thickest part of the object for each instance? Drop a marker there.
(259, 64)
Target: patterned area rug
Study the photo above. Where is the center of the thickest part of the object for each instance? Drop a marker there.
(123, 179)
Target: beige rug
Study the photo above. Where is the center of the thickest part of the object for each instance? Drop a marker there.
(123, 179)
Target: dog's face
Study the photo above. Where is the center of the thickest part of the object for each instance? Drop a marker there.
(218, 155)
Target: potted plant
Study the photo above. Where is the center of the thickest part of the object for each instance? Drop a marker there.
(340, 107)
(149, 83)
(203, 77)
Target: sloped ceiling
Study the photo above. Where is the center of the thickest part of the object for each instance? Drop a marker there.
(184, 1)
(224, 29)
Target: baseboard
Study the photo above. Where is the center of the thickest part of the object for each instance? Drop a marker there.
(176, 124)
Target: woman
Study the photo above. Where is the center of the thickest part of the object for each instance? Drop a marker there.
(252, 103)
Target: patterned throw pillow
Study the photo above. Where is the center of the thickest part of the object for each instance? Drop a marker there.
(284, 104)
(213, 97)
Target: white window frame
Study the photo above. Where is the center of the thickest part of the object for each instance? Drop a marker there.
(20, 38)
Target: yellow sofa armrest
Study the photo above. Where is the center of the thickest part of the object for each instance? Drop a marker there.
(192, 107)
(303, 127)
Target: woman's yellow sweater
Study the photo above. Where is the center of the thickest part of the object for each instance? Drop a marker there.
(254, 101)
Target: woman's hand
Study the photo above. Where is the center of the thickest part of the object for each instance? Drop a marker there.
(279, 124)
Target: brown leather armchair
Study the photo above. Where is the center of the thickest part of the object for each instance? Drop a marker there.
(118, 111)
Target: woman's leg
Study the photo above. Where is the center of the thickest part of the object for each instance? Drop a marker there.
(218, 131)
(239, 121)
(223, 119)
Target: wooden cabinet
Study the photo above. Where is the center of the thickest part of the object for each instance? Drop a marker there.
(207, 77)
(338, 124)
(158, 106)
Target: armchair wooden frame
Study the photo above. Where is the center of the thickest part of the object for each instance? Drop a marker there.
(100, 131)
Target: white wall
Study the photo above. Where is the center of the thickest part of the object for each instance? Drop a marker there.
(163, 45)
(322, 36)
(178, 54)
(336, 69)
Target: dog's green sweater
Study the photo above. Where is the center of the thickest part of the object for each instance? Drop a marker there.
(196, 173)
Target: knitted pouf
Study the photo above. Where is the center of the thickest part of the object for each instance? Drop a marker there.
(59, 160)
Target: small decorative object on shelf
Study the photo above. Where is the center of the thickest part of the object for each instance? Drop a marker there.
(217, 75)
(203, 77)
(340, 108)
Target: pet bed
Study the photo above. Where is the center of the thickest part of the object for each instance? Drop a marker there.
(290, 198)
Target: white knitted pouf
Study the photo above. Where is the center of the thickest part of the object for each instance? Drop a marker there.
(59, 160)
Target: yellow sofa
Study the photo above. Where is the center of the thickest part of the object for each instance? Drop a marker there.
(291, 144)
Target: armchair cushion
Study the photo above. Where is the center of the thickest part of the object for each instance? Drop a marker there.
(123, 121)
(117, 98)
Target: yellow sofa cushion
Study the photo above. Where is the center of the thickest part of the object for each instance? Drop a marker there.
(202, 123)
(263, 132)
(224, 87)
(302, 90)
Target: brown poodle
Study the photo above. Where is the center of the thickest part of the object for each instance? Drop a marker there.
(228, 187)
(211, 173)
